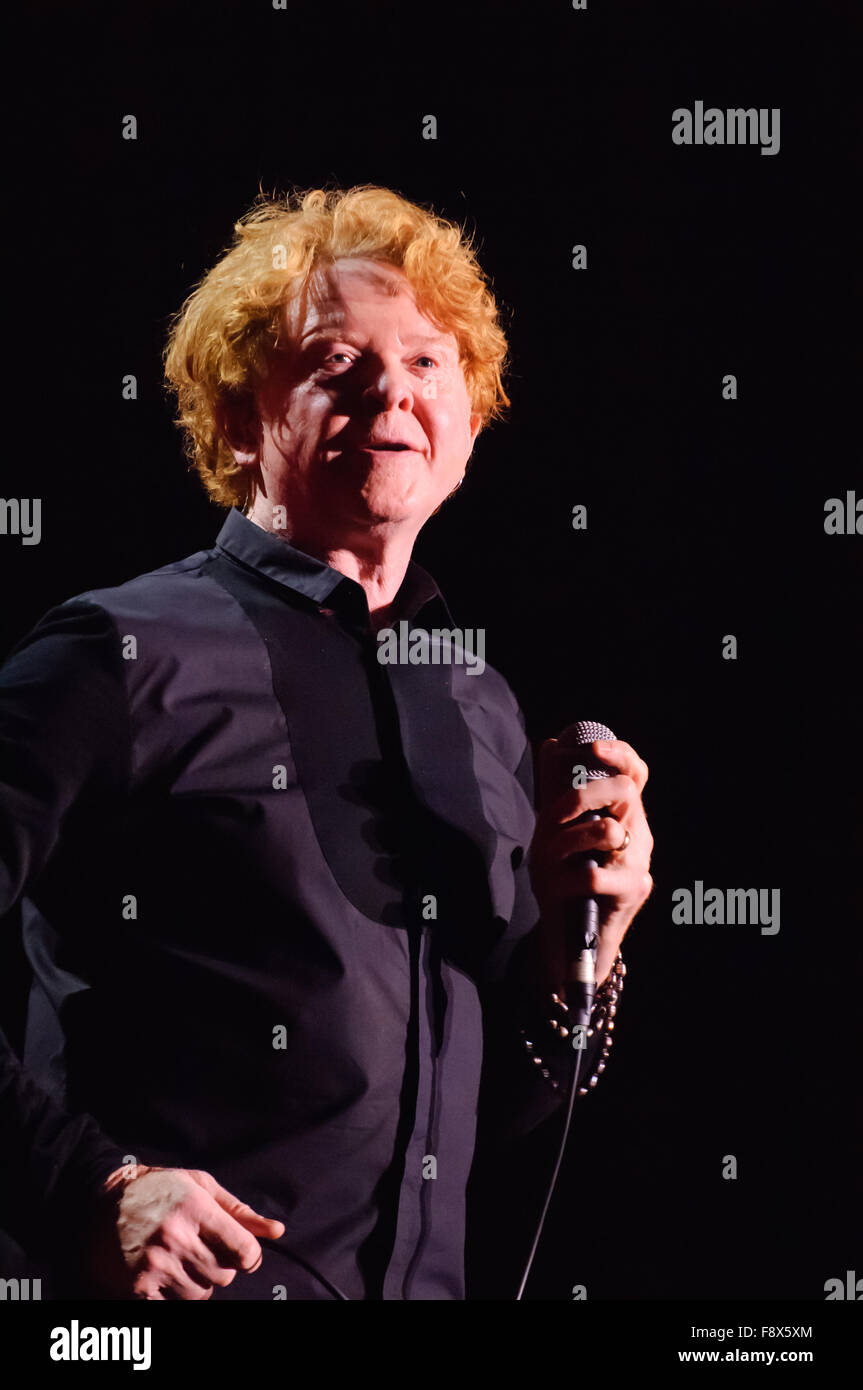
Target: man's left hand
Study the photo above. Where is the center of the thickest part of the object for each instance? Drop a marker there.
(560, 846)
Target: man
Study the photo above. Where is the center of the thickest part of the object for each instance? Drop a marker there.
(276, 890)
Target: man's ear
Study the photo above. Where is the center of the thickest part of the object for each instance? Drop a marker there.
(237, 418)
(475, 422)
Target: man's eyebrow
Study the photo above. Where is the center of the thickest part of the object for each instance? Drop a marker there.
(338, 330)
(430, 339)
(322, 330)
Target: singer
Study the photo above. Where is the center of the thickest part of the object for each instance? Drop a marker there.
(289, 909)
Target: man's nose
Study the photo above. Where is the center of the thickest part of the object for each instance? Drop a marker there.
(391, 385)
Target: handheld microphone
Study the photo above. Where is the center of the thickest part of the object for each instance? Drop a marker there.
(583, 934)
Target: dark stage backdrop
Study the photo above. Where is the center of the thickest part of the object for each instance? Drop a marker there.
(705, 506)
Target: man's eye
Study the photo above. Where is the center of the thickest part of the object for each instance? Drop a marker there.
(333, 355)
(425, 357)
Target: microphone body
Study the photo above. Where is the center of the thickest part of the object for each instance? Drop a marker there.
(583, 932)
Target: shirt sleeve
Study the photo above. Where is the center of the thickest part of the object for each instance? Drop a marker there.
(517, 1093)
(64, 745)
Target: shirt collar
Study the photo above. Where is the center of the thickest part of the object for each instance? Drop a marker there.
(243, 540)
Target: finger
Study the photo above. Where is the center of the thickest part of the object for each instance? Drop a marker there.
(176, 1273)
(189, 1284)
(623, 883)
(153, 1280)
(265, 1226)
(618, 794)
(233, 1246)
(241, 1212)
(602, 835)
(624, 757)
(205, 1266)
(148, 1290)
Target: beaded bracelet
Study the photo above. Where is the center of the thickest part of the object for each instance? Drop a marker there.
(601, 1017)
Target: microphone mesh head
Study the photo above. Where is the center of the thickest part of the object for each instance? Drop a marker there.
(580, 736)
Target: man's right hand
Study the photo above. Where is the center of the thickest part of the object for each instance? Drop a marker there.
(172, 1233)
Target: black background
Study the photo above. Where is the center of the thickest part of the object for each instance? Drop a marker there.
(705, 516)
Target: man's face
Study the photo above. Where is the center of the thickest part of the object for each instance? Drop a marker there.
(367, 422)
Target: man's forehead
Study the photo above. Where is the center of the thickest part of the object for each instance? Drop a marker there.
(356, 273)
(326, 303)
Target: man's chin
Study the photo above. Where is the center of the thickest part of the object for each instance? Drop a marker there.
(378, 509)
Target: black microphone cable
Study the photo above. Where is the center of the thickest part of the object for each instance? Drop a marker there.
(582, 1019)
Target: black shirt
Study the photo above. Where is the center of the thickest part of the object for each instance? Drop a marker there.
(276, 900)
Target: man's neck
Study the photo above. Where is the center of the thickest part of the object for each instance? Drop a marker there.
(378, 563)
